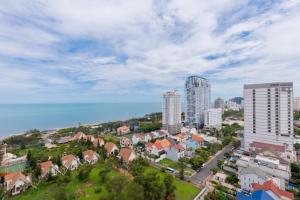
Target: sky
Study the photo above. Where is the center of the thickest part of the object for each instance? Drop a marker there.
(61, 51)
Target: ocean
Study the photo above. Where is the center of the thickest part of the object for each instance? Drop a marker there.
(18, 118)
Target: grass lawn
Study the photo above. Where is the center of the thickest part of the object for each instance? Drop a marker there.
(82, 190)
(184, 190)
(175, 165)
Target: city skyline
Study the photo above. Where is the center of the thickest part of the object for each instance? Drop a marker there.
(78, 52)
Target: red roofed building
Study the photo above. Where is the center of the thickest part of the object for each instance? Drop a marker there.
(91, 157)
(80, 136)
(269, 186)
(123, 130)
(70, 162)
(155, 148)
(47, 168)
(175, 152)
(16, 182)
(199, 139)
(110, 148)
(127, 155)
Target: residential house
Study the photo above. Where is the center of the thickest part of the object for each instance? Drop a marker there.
(64, 140)
(16, 182)
(80, 136)
(149, 137)
(70, 162)
(175, 152)
(261, 168)
(155, 148)
(127, 155)
(90, 156)
(162, 133)
(257, 195)
(90, 138)
(180, 137)
(164, 143)
(48, 168)
(123, 130)
(98, 142)
(197, 138)
(270, 187)
(125, 142)
(192, 144)
(137, 137)
(110, 148)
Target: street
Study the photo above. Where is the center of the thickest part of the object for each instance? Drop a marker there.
(200, 177)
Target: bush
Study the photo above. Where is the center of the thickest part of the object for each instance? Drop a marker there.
(84, 173)
(98, 190)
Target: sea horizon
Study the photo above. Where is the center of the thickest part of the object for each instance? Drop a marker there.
(19, 118)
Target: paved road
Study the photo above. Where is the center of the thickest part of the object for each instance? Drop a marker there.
(200, 177)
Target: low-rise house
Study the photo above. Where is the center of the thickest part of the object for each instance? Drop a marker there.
(149, 136)
(164, 143)
(98, 142)
(257, 195)
(137, 137)
(90, 138)
(111, 148)
(220, 177)
(270, 187)
(80, 136)
(191, 144)
(123, 130)
(16, 182)
(197, 138)
(162, 133)
(64, 140)
(48, 168)
(175, 152)
(180, 137)
(70, 162)
(90, 156)
(155, 148)
(127, 155)
(261, 168)
(125, 142)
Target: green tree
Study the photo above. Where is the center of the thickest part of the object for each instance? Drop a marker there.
(132, 191)
(181, 169)
(115, 186)
(84, 172)
(170, 187)
(153, 188)
(232, 179)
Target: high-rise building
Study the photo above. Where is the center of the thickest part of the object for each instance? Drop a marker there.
(268, 116)
(213, 118)
(297, 104)
(197, 100)
(219, 103)
(171, 112)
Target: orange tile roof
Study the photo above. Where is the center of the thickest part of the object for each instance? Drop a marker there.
(12, 178)
(68, 160)
(197, 138)
(125, 154)
(45, 167)
(269, 185)
(89, 155)
(158, 144)
(123, 128)
(165, 143)
(109, 146)
(178, 147)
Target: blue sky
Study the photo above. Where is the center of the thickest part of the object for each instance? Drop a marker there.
(132, 51)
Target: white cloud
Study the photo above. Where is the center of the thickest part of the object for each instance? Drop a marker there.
(143, 46)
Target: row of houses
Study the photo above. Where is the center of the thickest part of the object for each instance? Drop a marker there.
(17, 182)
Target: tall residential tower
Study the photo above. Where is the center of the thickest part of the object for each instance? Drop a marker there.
(197, 100)
(171, 112)
(268, 113)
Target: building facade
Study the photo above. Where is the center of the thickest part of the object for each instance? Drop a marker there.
(171, 112)
(297, 104)
(219, 103)
(197, 100)
(268, 114)
(213, 118)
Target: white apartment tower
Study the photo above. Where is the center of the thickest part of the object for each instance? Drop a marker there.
(268, 113)
(213, 118)
(171, 112)
(297, 104)
(197, 100)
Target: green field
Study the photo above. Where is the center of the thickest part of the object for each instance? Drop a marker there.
(175, 165)
(87, 190)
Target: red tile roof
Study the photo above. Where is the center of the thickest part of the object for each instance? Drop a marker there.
(125, 154)
(68, 160)
(178, 147)
(197, 138)
(274, 147)
(158, 144)
(269, 185)
(12, 178)
(109, 146)
(45, 167)
(89, 155)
